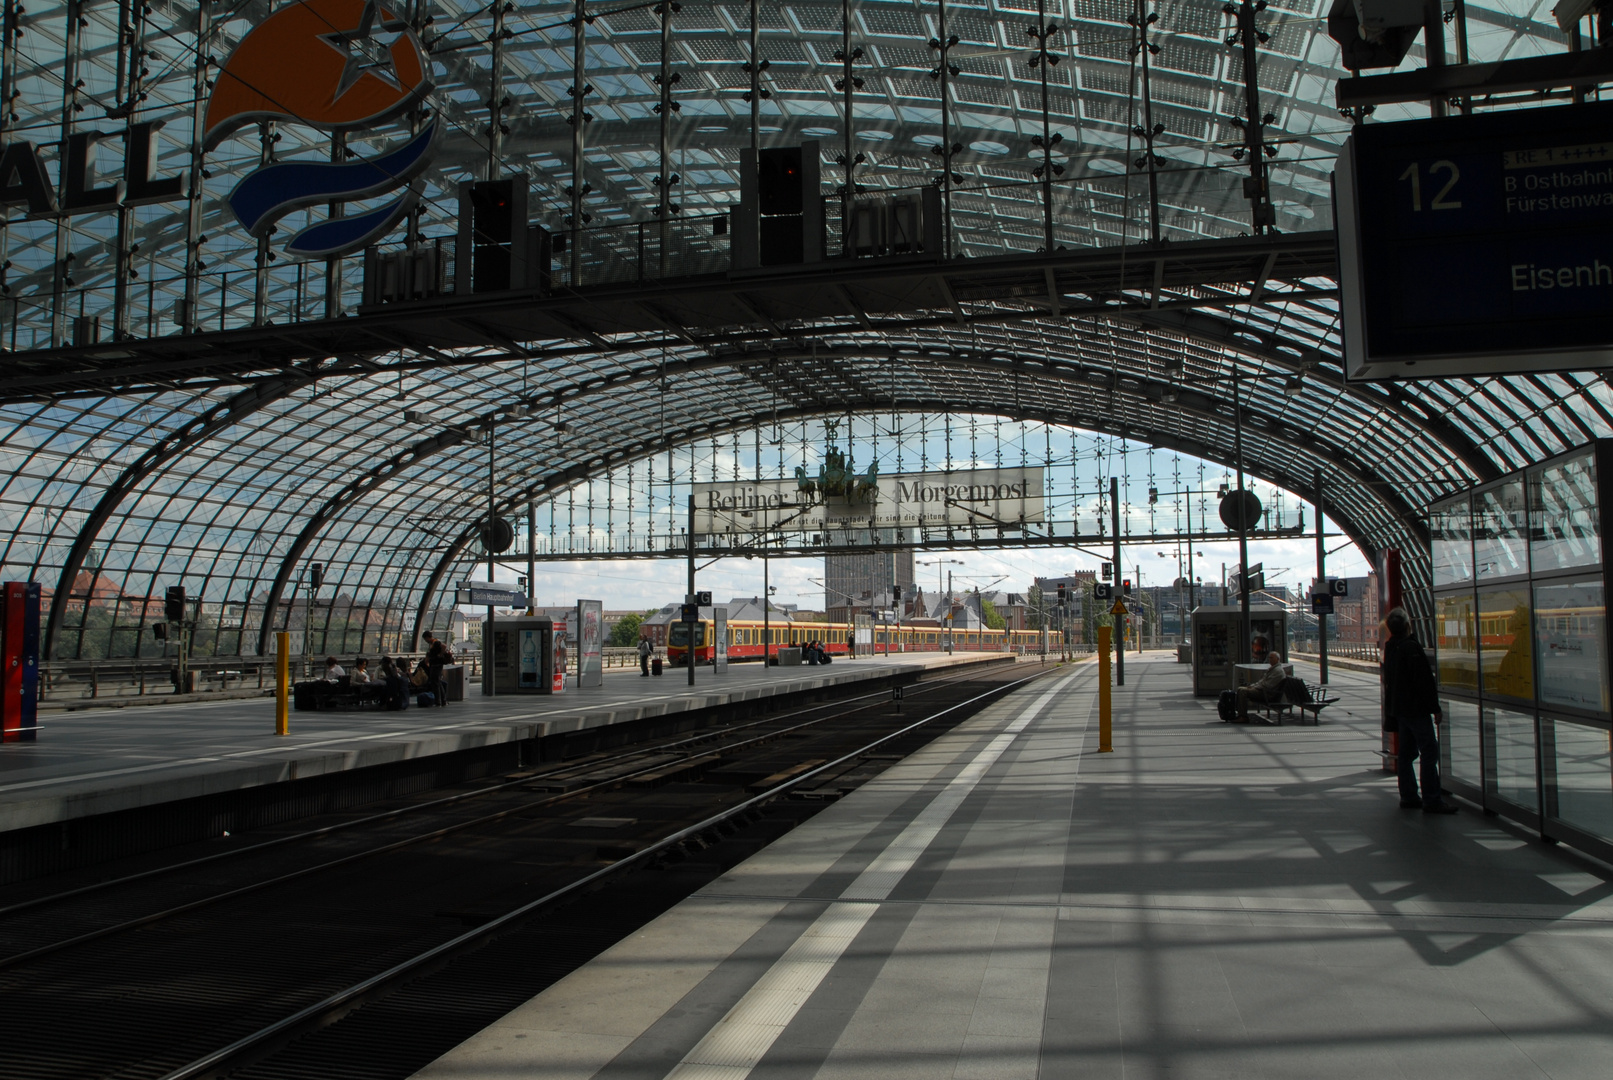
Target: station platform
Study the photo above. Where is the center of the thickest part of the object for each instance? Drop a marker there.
(1210, 900)
(99, 761)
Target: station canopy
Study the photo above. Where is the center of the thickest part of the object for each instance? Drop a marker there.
(187, 403)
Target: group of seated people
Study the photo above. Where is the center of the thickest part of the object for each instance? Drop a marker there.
(398, 681)
(813, 652)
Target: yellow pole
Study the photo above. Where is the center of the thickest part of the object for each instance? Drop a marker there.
(282, 683)
(1105, 724)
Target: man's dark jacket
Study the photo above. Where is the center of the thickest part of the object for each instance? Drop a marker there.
(1409, 691)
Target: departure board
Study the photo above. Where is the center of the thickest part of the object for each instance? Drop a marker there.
(1478, 244)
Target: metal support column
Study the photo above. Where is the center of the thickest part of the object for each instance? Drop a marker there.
(496, 101)
(579, 116)
(1434, 46)
(8, 87)
(1243, 521)
(130, 79)
(333, 267)
(1321, 581)
(755, 68)
(666, 79)
(847, 84)
(260, 270)
(689, 650)
(1120, 591)
(1148, 130)
(531, 557)
(944, 72)
(63, 252)
(487, 542)
(1256, 188)
(1042, 31)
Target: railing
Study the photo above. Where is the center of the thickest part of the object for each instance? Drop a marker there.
(80, 680)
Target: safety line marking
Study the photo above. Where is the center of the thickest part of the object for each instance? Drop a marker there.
(732, 1048)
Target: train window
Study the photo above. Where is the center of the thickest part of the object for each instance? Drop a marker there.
(680, 635)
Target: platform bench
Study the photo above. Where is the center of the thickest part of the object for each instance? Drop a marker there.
(1275, 711)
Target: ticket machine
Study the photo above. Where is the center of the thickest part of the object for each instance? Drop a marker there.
(523, 655)
(1217, 630)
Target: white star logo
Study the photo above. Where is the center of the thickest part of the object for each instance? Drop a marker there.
(366, 54)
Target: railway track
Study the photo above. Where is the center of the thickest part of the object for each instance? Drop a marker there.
(426, 922)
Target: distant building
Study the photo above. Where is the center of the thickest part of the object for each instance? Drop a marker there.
(860, 582)
(1355, 614)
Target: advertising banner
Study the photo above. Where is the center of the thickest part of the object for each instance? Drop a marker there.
(985, 497)
(590, 643)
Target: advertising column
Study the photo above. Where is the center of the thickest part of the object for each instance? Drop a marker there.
(590, 643)
(19, 651)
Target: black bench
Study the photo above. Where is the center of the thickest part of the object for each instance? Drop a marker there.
(1274, 711)
(318, 695)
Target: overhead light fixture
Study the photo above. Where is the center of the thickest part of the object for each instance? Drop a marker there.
(1294, 385)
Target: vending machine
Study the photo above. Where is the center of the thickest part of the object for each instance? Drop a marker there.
(522, 657)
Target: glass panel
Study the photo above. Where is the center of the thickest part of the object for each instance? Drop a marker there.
(1571, 644)
(1451, 527)
(1504, 643)
(1583, 773)
(1458, 650)
(1499, 548)
(1510, 749)
(1563, 526)
(1459, 741)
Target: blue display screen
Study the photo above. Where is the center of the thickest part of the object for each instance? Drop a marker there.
(1487, 234)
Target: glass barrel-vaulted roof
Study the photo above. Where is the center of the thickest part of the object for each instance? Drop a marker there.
(231, 481)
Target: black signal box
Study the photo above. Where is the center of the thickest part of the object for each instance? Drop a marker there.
(778, 181)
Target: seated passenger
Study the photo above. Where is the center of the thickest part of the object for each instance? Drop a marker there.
(397, 687)
(361, 672)
(333, 670)
(418, 681)
(1267, 689)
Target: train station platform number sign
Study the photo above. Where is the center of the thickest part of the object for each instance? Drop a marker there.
(1478, 245)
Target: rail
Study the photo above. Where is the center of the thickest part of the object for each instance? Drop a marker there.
(343, 1001)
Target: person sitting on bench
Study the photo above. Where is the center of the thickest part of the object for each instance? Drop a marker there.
(1267, 689)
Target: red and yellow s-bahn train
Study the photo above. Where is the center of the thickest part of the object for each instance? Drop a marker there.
(745, 640)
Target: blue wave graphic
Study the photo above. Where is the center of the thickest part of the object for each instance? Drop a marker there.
(340, 235)
(275, 190)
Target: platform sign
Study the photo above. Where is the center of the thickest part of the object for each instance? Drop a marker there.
(719, 638)
(1321, 603)
(998, 498)
(1477, 245)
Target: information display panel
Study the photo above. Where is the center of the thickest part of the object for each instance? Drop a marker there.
(1478, 244)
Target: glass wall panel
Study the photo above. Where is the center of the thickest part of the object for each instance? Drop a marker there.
(1500, 548)
(1571, 644)
(1564, 530)
(1459, 741)
(1505, 649)
(1583, 773)
(1450, 525)
(1457, 647)
(1509, 742)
